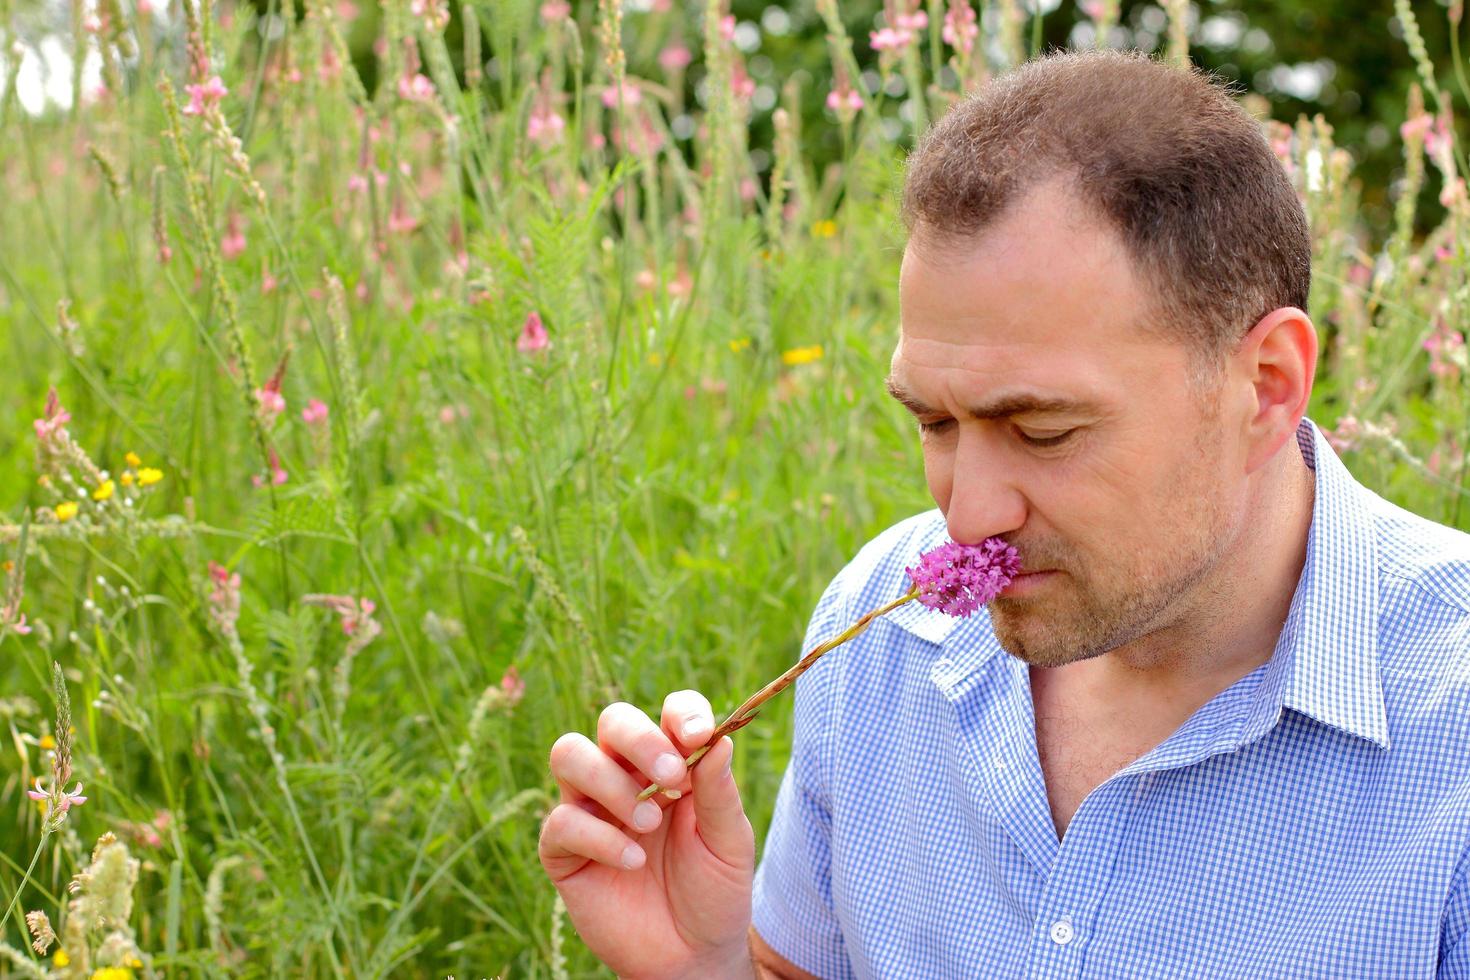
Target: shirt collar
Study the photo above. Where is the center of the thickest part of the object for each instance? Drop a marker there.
(1325, 664)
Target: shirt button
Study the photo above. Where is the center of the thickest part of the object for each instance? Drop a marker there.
(1061, 932)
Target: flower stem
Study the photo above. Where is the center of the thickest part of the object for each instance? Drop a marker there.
(746, 713)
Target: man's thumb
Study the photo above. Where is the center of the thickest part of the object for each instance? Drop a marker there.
(718, 814)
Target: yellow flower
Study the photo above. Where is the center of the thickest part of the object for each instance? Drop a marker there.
(60, 959)
(47, 742)
(112, 973)
(127, 478)
(739, 344)
(66, 510)
(148, 476)
(135, 963)
(655, 359)
(802, 355)
(133, 459)
(824, 229)
(103, 492)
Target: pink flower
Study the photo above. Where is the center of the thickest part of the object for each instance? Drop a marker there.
(512, 686)
(889, 39)
(20, 625)
(53, 419)
(357, 183)
(839, 101)
(202, 97)
(1416, 128)
(958, 579)
(545, 127)
(553, 11)
(314, 412)
(631, 95)
(65, 799)
(727, 28)
(224, 597)
(1093, 8)
(400, 222)
(960, 30)
(916, 21)
(741, 84)
(533, 335)
(674, 57)
(416, 89)
(232, 246)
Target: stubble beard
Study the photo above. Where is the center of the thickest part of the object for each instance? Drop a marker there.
(1097, 607)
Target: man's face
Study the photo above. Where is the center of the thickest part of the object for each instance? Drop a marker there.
(1055, 421)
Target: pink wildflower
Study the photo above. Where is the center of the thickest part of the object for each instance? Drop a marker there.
(960, 30)
(224, 597)
(1345, 436)
(400, 222)
(204, 96)
(417, 88)
(958, 579)
(553, 11)
(65, 799)
(889, 39)
(232, 246)
(545, 126)
(315, 411)
(533, 335)
(913, 22)
(357, 183)
(512, 686)
(727, 28)
(631, 95)
(674, 57)
(20, 625)
(1093, 8)
(1416, 128)
(53, 420)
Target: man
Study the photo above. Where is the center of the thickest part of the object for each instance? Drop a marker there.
(1219, 726)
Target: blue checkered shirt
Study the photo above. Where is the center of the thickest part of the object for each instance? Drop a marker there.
(1311, 820)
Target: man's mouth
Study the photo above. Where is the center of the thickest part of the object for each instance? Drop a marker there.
(1028, 582)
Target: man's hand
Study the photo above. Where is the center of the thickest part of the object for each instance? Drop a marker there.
(659, 888)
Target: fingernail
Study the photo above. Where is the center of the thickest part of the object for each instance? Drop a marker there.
(632, 857)
(645, 815)
(692, 727)
(727, 764)
(667, 768)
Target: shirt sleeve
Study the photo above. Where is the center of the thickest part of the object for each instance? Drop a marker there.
(793, 909)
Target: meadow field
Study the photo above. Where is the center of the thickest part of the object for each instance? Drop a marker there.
(366, 428)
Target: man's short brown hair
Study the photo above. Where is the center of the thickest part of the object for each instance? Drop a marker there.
(1164, 154)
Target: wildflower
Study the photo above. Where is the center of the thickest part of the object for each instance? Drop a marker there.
(232, 246)
(545, 126)
(512, 686)
(53, 420)
(314, 412)
(824, 229)
(960, 30)
(802, 355)
(912, 22)
(958, 579)
(953, 578)
(20, 626)
(278, 473)
(127, 478)
(630, 93)
(112, 973)
(63, 800)
(840, 100)
(739, 344)
(400, 222)
(553, 11)
(60, 959)
(204, 96)
(66, 510)
(416, 88)
(47, 742)
(674, 57)
(533, 335)
(148, 476)
(104, 491)
(132, 459)
(889, 39)
(224, 597)
(42, 935)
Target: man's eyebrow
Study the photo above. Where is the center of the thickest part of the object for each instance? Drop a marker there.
(1003, 406)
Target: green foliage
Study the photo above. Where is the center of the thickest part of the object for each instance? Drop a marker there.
(651, 502)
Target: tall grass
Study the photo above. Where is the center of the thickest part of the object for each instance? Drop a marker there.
(317, 661)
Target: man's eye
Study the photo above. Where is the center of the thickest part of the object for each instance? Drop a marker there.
(933, 428)
(1043, 441)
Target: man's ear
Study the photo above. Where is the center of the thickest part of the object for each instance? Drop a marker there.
(1278, 359)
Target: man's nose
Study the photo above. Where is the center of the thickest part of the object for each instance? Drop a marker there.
(984, 499)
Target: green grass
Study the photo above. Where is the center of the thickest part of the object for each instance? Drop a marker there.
(684, 494)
